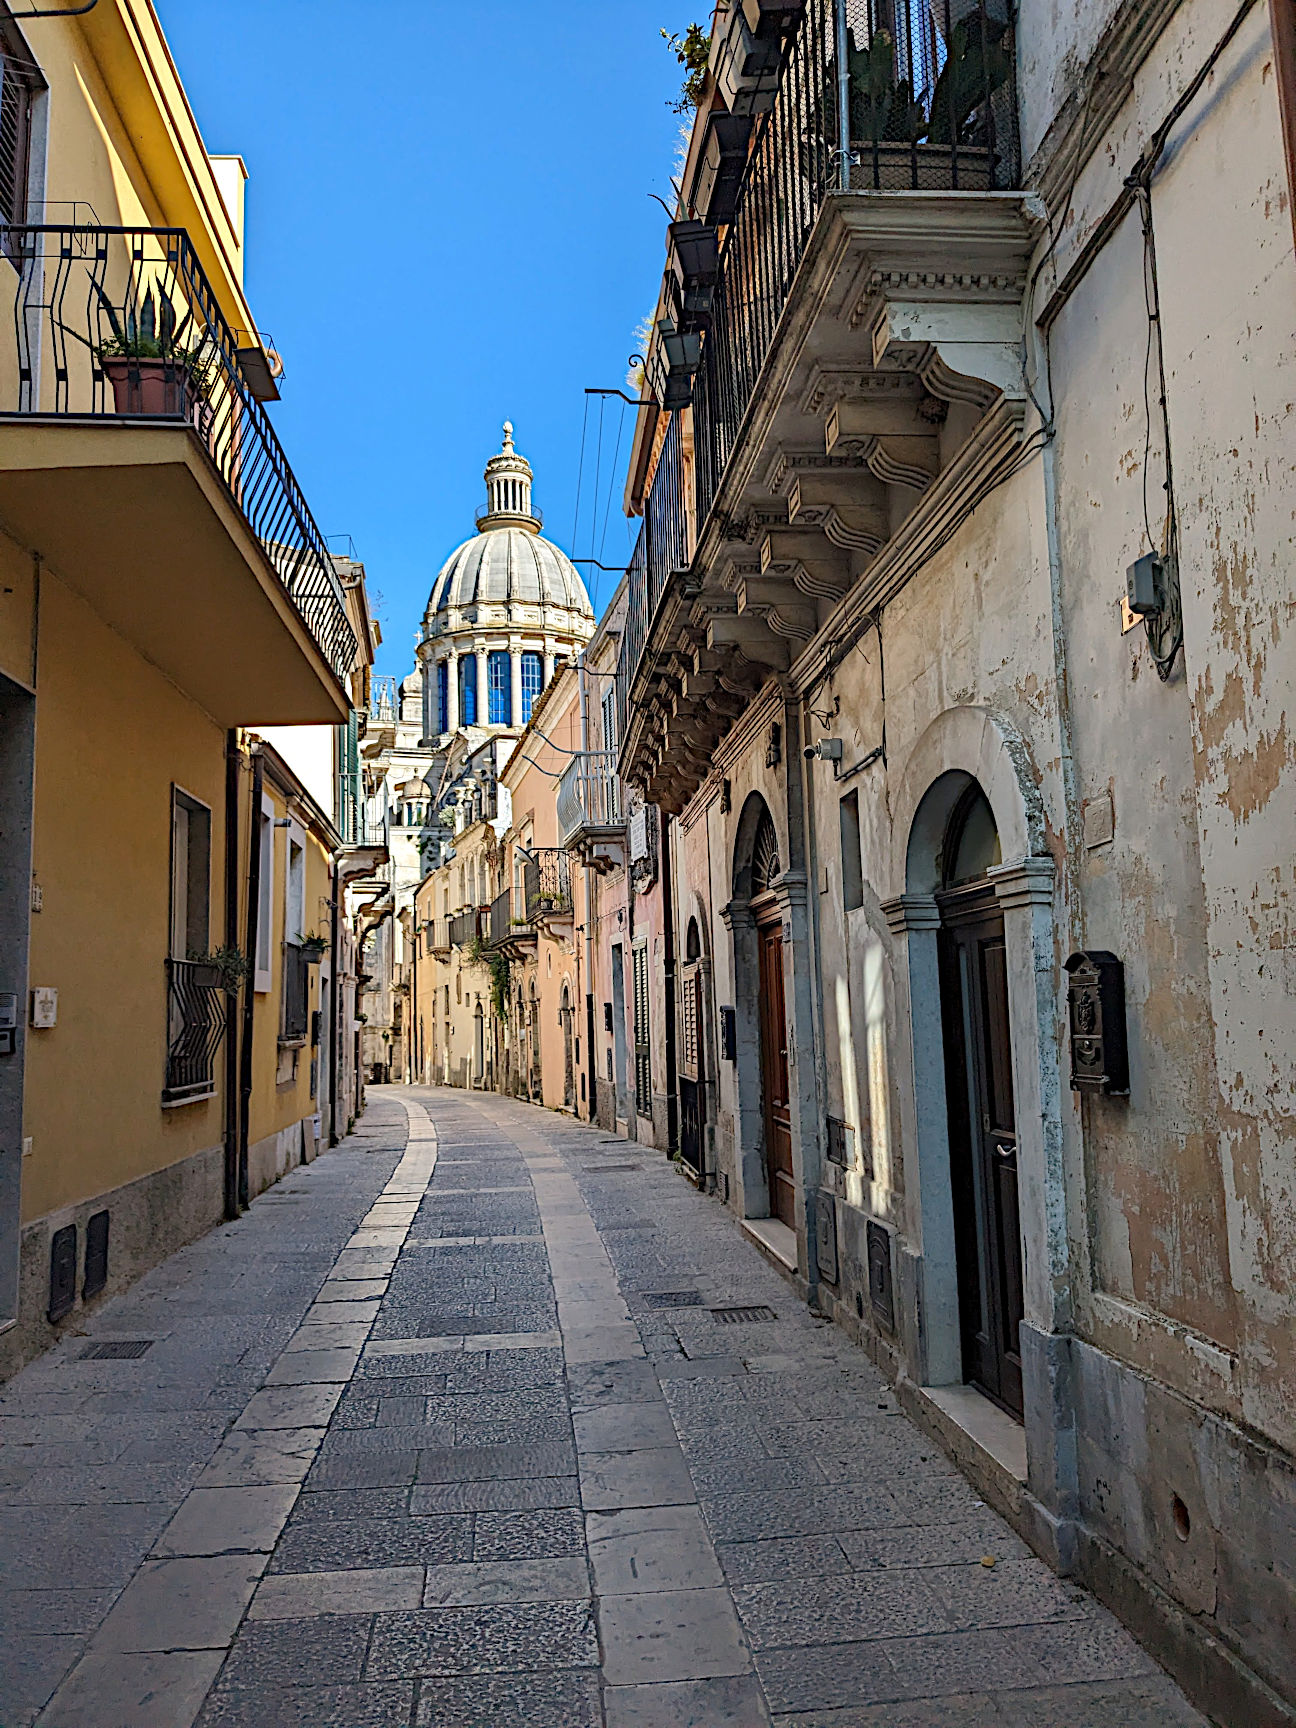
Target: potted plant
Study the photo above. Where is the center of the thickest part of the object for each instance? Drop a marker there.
(223, 967)
(314, 947)
(147, 361)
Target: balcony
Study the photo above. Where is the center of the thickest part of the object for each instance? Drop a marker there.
(468, 927)
(511, 936)
(546, 886)
(859, 383)
(438, 935)
(196, 1010)
(136, 457)
(591, 823)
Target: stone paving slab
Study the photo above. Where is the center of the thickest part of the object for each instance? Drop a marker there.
(420, 1443)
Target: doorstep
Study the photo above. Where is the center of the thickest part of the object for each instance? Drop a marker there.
(982, 1440)
(775, 1239)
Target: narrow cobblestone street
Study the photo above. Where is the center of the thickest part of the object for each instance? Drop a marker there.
(446, 1432)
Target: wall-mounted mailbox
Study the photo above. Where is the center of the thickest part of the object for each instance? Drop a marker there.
(729, 1034)
(1096, 1013)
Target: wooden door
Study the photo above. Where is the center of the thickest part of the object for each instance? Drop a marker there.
(691, 1075)
(774, 1076)
(983, 1145)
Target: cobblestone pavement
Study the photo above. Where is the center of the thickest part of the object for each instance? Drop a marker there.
(444, 1433)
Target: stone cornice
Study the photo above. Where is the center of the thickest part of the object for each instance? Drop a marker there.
(911, 912)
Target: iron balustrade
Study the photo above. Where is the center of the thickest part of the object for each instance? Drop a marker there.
(439, 934)
(296, 992)
(196, 1009)
(501, 918)
(929, 88)
(468, 927)
(546, 883)
(121, 324)
(589, 794)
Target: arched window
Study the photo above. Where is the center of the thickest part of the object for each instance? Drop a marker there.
(532, 681)
(468, 690)
(765, 855)
(499, 688)
(443, 695)
(693, 941)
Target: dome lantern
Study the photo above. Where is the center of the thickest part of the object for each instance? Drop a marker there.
(508, 490)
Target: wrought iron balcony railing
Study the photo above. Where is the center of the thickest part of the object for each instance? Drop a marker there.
(589, 796)
(439, 935)
(196, 1009)
(501, 918)
(467, 927)
(296, 992)
(121, 324)
(546, 883)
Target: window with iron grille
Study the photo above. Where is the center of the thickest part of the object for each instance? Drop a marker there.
(532, 682)
(642, 1048)
(499, 688)
(19, 83)
(468, 690)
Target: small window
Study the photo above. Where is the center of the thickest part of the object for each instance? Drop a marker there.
(468, 690)
(499, 688)
(852, 862)
(295, 887)
(190, 876)
(443, 695)
(265, 900)
(609, 720)
(532, 681)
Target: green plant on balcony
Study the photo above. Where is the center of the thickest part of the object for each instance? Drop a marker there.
(692, 48)
(231, 965)
(148, 359)
(314, 947)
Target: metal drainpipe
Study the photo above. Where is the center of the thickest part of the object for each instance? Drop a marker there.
(249, 991)
(233, 767)
(816, 980)
(668, 979)
(801, 793)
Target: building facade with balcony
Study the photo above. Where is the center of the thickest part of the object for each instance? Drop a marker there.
(951, 652)
(165, 588)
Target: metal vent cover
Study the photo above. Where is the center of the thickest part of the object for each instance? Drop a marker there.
(748, 1316)
(116, 1350)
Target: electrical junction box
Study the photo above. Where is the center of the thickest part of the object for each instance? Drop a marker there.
(1143, 586)
(44, 1008)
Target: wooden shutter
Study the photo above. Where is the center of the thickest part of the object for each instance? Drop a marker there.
(642, 1048)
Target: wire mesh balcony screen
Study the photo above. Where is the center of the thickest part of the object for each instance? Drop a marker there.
(196, 1008)
(589, 794)
(296, 991)
(122, 324)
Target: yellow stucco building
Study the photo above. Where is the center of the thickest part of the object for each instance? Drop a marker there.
(163, 587)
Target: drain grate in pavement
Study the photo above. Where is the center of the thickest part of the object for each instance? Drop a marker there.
(116, 1350)
(743, 1316)
(672, 1298)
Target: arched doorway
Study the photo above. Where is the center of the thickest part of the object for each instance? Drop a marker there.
(569, 1055)
(979, 1099)
(758, 865)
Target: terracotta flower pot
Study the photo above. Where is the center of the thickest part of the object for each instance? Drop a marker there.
(146, 386)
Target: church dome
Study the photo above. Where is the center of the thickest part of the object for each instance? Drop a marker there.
(508, 559)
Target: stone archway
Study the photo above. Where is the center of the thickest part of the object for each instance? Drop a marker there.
(961, 748)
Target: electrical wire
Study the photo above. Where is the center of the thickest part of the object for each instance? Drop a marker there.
(616, 459)
(580, 472)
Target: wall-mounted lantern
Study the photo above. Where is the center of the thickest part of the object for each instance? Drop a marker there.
(1096, 1013)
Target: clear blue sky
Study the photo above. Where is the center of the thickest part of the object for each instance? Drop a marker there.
(448, 224)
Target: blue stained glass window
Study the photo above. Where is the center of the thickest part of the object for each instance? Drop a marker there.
(443, 695)
(532, 682)
(499, 688)
(468, 690)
